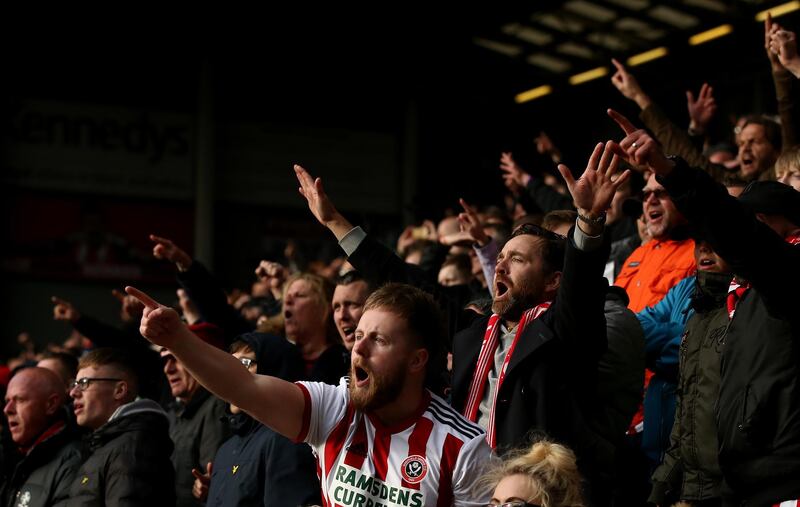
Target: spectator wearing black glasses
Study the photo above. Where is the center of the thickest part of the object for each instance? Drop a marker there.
(128, 461)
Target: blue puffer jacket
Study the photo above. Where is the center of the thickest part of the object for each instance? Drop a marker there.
(663, 326)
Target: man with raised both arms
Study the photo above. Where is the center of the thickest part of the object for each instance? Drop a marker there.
(531, 367)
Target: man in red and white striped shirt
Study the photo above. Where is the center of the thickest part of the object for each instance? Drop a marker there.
(381, 437)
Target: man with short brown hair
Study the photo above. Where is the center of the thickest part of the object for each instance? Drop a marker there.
(129, 446)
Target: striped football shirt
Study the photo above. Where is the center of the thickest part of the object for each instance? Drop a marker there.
(432, 459)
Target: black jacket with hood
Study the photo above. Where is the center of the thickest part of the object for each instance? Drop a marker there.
(197, 430)
(257, 466)
(758, 410)
(127, 460)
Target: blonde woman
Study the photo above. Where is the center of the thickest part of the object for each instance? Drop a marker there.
(545, 475)
(787, 168)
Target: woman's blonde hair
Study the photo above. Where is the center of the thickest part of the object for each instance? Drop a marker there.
(550, 468)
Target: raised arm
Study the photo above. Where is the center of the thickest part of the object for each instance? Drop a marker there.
(637, 147)
(675, 139)
(275, 402)
(320, 205)
(540, 194)
(781, 48)
(371, 258)
(594, 190)
(100, 333)
(202, 288)
(628, 86)
(165, 249)
(580, 318)
(733, 231)
(701, 109)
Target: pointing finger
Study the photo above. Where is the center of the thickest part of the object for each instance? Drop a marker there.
(159, 239)
(469, 209)
(624, 123)
(142, 297)
(617, 149)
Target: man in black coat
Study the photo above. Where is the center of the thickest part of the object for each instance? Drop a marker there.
(531, 367)
(127, 458)
(196, 418)
(258, 466)
(48, 447)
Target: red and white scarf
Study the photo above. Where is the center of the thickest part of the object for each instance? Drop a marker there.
(736, 290)
(480, 378)
(735, 293)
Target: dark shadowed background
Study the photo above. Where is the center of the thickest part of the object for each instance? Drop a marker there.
(186, 124)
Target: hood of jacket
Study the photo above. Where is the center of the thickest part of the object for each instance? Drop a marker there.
(138, 415)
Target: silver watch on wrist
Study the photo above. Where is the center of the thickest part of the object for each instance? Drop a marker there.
(600, 220)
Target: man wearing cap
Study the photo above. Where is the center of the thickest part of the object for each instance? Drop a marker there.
(196, 419)
(758, 410)
(777, 205)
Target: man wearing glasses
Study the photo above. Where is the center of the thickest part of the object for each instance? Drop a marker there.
(658, 265)
(129, 445)
(258, 466)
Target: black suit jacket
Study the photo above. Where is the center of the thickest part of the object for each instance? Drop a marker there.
(550, 379)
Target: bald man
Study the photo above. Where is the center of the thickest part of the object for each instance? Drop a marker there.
(48, 449)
